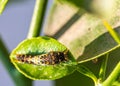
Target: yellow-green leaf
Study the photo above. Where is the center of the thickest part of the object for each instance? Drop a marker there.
(31, 57)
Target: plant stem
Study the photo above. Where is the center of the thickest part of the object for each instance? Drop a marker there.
(111, 31)
(17, 77)
(103, 68)
(112, 77)
(37, 19)
(2, 5)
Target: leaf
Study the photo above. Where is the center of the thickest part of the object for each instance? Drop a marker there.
(84, 34)
(2, 5)
(86, 37)
(102, 8)
(27, 57)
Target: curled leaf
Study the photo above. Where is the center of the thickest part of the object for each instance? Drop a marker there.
(43, 58)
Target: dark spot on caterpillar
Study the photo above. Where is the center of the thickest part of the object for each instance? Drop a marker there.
(51, 58)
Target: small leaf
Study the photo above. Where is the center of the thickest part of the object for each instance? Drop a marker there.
(2, 5)
(34, 50)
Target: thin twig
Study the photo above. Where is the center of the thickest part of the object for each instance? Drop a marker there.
(37, 19)
(113, 33)
(112, 77)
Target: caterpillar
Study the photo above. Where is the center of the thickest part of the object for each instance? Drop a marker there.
(51, 58)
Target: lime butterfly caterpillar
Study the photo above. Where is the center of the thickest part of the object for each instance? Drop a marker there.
(51, 58)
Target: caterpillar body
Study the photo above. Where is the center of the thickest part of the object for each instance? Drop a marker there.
(51, 58)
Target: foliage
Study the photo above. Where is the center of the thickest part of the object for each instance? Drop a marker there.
(36, 46)
(91, 39)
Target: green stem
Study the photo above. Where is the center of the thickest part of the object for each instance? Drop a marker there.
(113, 76)
(103, 69)
(111, 31)
(2, 5)
(37, 19)
(17, 77)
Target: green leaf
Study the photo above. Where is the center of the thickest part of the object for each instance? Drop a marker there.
(102, 8)
(86, 37)
(2, 5)
(36, 48)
